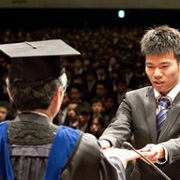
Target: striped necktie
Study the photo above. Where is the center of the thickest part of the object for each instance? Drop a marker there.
(164, 103)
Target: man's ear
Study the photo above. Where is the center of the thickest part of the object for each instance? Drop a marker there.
(58, 95)
(9, 94)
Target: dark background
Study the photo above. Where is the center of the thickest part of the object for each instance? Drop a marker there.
(36, 18)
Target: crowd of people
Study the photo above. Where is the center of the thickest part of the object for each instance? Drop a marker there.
(110, 64)
(98, 84)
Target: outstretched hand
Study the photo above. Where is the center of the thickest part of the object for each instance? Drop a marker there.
(153, 152)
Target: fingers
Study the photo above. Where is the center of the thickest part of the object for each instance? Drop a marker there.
(153, 152)
(104, 144)
(147, 148)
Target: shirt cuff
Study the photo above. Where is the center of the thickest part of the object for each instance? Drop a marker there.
(165, 159)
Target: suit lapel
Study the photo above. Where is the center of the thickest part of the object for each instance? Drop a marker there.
(171, 119)
(150, 110)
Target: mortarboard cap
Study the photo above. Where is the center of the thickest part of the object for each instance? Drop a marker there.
(37, 61)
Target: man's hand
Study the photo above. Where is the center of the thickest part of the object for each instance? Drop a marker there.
(104, 144)
(153, 152)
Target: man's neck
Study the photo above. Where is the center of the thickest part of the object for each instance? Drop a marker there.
(40, 112)
(172, 94)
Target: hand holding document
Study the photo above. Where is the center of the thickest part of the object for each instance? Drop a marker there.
(123, 154)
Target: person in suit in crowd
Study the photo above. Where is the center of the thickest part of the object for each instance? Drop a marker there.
(83, 114)
(101, 90)
(90, 84)
(31, 146)
(96, 126)
(71, 119)
(122, 89)
(110, 106)
(97, 107)
(152, 113)
(75, 92)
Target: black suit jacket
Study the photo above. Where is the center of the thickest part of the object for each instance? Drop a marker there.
(137, 115)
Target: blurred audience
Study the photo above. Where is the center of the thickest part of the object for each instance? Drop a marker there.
(110, 65)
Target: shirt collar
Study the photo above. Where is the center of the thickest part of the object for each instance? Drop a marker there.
(33, 117)
(172, 94)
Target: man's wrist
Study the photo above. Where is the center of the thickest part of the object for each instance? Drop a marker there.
(161, 152)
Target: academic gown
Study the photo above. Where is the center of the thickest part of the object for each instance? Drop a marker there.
(30, 137)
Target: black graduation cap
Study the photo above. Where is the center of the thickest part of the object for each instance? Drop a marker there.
(37, 61)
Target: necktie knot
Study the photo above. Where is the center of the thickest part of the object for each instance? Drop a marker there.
(164, 102)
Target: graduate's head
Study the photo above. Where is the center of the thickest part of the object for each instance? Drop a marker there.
(36, 73)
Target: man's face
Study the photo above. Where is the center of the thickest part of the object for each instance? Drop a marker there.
(95, 125)
(97, 107)
(78, 64)
(101, 72)
(71, 112)
(75, 94)
(100, 90)
(109, 103)
(163, 71)
(3, 114)
(82, 118)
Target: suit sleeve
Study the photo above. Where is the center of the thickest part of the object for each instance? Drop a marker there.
(120, 130)
(173, 148)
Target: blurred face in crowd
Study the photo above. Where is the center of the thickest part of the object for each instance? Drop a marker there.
(163, 71)
(69, 74)
(97, 107)
(100, 90)
(109, 103)
(112, 62)
(78, 64)
(3, 114)
(82, 118)
(95, 125)
(114, 76)
(101, 72)
(75, 94)
(78, 80)
(87, 63)
(71, 112)
(90, 77)
(121, 88)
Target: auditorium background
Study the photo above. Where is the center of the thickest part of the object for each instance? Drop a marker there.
(106, 32)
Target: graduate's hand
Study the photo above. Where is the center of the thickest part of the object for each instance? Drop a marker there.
(104, 144)
(153, 152)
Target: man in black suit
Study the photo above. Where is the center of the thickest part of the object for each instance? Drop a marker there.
(152, 113)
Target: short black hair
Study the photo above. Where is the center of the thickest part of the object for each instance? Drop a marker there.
(36, 96)
(83, 108)
(161, 40)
